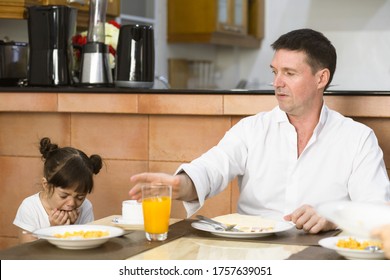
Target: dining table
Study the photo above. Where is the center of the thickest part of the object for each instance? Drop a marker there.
(184, 242)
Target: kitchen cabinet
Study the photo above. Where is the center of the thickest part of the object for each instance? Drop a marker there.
(222, 22)
(15, 9)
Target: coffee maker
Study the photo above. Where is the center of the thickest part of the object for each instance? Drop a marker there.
(50, 32)
(95, 69)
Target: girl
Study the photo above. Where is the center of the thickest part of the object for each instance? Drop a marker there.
(67, 181)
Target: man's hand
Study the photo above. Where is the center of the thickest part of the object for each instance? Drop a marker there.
(306, 218)
(182, 186)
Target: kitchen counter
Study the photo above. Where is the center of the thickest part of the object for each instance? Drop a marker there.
(136, 131)
(174, 91)
(192, 102)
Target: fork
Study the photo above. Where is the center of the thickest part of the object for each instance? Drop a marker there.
(217, 225)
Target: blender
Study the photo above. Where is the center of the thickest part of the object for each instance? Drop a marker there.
(95, 69)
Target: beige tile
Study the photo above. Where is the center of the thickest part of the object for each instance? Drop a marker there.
(21, 132)
(183, 138)
(30, 102)
(381, 128)
(360, 106)
(235, 120)
(180, 104)
(21, 177)
(113, 136)
(248, 104)
(113, 103)
(112, 184)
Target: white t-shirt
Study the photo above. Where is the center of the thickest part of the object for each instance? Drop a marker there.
(342, 161)
(31, 214)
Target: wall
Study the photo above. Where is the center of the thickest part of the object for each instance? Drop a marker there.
(359, 29)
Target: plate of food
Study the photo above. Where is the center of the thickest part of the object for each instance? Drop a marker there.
(356, 218)
(354, 248)
(78, 237)
(246, 226)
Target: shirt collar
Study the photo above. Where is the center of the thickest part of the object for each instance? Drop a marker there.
(281, 116)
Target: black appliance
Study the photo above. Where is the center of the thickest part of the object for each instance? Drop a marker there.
(135, 57)
(50, 32)
(13, 63)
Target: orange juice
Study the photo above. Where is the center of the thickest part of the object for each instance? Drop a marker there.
(157, 211)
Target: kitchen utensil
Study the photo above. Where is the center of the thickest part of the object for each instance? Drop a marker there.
(216, 223)
(13, 62)
(135, 57)
(215, 226)
(95, 69)
(50, 32)
(372, 248)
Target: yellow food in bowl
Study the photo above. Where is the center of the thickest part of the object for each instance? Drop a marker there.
(352, 243)
(83, 234)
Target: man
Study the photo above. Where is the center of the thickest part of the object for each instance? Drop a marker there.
(294, 157)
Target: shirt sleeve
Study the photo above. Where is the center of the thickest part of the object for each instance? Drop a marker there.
(369, 180)
(26, 218)
(212, 172)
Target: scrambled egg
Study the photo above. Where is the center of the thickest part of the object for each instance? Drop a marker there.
(83, 234)
(352, 243)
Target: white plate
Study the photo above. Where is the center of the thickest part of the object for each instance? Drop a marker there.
(77, 243)
(279, 227)
(121, 221)
(356, 218)
(351, 254)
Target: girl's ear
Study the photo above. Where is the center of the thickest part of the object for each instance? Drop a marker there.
(44, 183)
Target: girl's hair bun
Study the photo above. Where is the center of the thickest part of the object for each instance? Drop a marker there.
(46, 147)
(96, 162)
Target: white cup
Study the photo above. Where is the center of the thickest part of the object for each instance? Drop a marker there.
(132, 212)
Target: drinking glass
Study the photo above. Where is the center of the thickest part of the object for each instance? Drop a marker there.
(156, 206)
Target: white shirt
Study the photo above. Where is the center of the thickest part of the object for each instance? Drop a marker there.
(32, 215)
(342, 161)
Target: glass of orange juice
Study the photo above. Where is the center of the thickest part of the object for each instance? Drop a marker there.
(156, 207)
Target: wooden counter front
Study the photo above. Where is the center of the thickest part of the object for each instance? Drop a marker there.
(135, 132)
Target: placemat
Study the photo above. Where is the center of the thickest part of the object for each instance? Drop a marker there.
(119, 248)
(316, 253)
(135, 242)
(290, 237)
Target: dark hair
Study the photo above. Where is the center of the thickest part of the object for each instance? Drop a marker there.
(319, 50)
(68, 167)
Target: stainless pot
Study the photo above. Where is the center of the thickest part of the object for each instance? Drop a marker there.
(13, 63)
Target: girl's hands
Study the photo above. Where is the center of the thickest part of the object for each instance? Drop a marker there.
(61, 217)
(73, 215)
